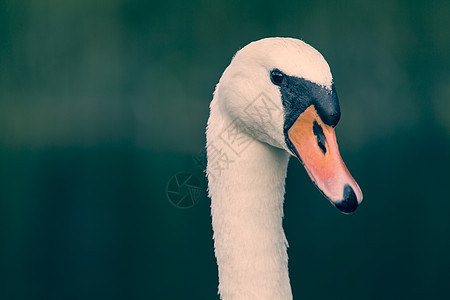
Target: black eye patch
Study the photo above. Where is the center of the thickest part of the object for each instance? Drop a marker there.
(297, 94)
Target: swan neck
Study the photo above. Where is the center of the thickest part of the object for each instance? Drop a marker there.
(247, 195)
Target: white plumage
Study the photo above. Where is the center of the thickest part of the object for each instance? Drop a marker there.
(247, 164)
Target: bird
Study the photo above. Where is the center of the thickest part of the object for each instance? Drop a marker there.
(276, 99)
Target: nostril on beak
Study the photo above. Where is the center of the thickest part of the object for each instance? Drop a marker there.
(349, 202)
(321, 139)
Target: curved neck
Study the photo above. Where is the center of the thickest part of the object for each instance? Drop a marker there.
(246, 186)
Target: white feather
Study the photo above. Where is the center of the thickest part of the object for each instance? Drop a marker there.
(247, 164)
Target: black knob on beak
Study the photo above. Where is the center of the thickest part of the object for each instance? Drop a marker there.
(327, 105)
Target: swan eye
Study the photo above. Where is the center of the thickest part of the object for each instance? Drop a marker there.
(277, 77)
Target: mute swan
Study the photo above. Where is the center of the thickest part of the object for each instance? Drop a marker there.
(275, 99)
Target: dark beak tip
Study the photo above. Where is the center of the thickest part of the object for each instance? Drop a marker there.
(349, 203)
(346, 207)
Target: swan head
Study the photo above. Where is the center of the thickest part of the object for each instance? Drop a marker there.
(281, 90)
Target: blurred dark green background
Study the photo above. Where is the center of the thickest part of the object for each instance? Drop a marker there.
(102, 102)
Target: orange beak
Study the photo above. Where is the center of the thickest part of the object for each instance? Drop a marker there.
(316, 147)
